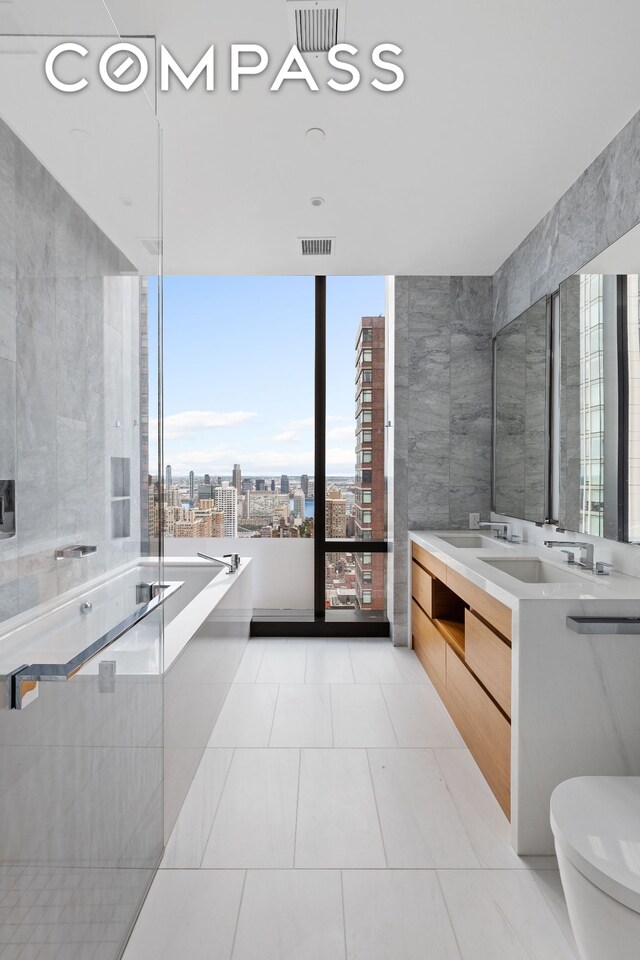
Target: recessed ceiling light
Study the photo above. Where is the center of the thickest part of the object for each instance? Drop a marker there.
(317, 201)
(315, 135)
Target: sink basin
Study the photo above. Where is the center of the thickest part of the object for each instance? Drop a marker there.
(531, 570)
(468, 540)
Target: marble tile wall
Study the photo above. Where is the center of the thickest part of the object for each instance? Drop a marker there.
(442, 412)
(69, 387)
(602, 205)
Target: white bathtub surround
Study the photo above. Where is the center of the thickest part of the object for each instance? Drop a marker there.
(347, 850)
(575, 708)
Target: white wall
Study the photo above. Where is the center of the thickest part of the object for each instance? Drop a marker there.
(282, 572)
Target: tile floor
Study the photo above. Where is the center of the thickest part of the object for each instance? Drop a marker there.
(337, 814)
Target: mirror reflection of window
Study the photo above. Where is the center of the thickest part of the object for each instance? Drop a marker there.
(591, 404)
(633, 372)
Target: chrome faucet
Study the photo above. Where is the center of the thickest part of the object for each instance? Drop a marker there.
(503, 529)
(586, 552)
(233, 566)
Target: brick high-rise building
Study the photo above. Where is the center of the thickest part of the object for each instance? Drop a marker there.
(369, 490)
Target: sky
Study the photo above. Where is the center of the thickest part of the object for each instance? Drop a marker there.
(238, 371)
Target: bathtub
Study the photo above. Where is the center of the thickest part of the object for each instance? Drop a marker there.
(58, 633)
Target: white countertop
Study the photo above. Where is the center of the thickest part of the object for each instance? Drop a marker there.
(469, 562)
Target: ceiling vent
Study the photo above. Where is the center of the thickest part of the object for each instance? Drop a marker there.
(316, 25)
(152, 245)
(317, 246)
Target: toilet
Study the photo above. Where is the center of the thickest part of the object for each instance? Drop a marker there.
(596, 826)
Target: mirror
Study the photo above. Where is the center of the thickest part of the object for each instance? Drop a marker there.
(600, 395)
(521, 370)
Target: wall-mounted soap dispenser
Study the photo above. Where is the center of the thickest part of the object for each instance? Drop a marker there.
(7, 509)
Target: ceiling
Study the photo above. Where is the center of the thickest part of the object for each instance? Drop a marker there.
(504, 105)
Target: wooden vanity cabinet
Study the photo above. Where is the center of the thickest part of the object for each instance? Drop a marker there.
(461, 635)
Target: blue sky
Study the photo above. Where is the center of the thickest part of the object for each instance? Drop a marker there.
(238, 371)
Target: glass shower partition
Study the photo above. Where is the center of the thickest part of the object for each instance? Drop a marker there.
(81, 585)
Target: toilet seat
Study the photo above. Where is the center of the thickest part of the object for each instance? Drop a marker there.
(596, 824)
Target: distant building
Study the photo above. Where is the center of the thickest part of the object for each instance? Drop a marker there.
(169, 479)
(260, 483)
(226, 502)
(284, 483)
(192, 487)
(299, 504)
(273, 485)
(205, 491)
(236, 478)
(264, 505)
(247, 485)
(304, 483)
(336, 516)
(207, 479)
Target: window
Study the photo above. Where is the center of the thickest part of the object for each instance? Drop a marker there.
(365, 516)
(366, 597)
(366, 376)
(366, 396)
(365, 496)
(367, 335)
(365, 456)
(366, 356)
(366, 436)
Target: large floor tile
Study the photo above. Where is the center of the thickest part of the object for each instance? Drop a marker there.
(374, 662)
(409, 666)
(485, 823)
(189, 836)
(303, 716)
(291, 915)
(360, 716)
(419, 717)
(188, 913)
(283, 662)
(246, 716)
(337, 817)
(396, 915)
(549, 882)
(247, 671)
(502, 915)
(256, 818)
(420, 824)
(328, 662)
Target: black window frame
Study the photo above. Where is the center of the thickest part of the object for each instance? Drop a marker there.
(321, 622)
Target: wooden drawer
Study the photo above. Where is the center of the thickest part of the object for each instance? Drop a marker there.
(490, 659)
(430, 646)
(433, 595)
(488, 607)
(435, 567)
(485, 730)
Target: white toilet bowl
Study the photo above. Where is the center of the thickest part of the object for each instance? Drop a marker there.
(596, 826)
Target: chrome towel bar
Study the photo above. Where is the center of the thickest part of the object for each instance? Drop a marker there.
(23, 682)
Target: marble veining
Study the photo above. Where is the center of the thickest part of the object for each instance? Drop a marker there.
(69, 349)
(442, 402)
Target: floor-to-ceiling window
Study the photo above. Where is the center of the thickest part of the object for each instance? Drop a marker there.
(274, 430)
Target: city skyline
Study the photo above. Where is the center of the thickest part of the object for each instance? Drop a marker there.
(258, 412)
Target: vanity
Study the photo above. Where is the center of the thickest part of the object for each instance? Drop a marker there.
(536, 694)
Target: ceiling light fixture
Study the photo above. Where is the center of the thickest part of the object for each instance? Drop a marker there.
(315, 135)
(317, 201)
